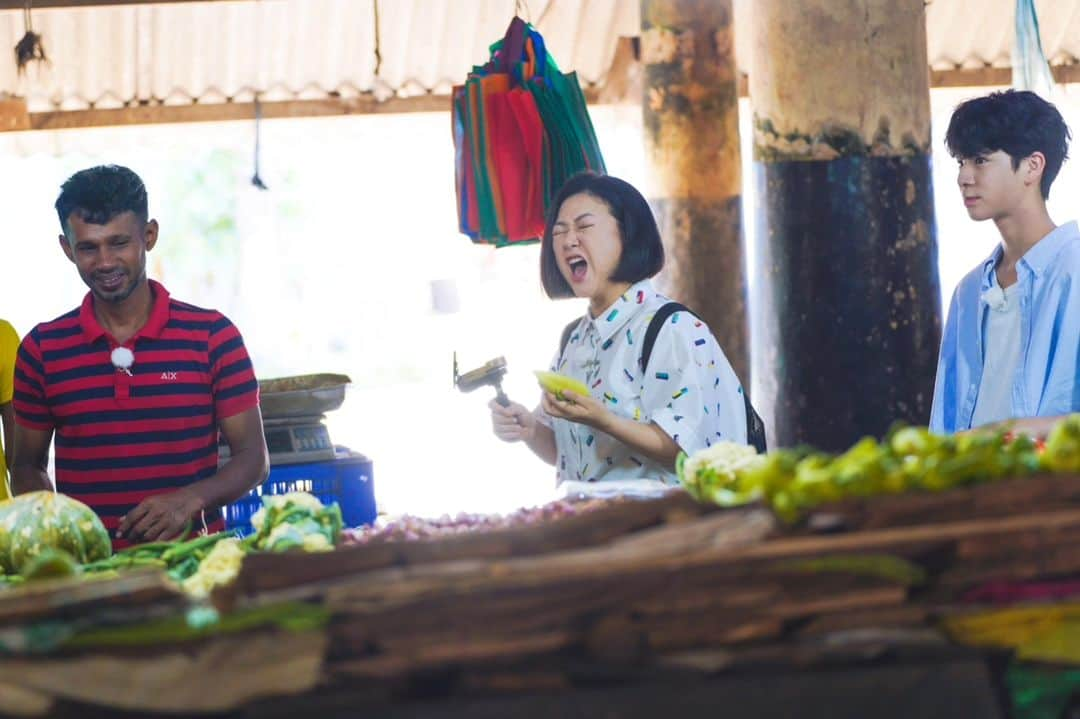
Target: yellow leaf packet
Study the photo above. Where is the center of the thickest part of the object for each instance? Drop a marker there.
(555, 383)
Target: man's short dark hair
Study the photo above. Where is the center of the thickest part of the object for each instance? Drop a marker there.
(1016, 122)
(642, 250)
(98, 194)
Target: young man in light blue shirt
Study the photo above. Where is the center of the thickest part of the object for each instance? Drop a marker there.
(1011, 344)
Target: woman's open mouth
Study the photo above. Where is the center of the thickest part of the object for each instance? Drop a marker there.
(578, 269)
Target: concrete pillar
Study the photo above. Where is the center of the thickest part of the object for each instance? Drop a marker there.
(847, 314)
(691, 120)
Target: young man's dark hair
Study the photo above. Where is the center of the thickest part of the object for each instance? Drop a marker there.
(98, 194)
(642, 248)
(1015, 122)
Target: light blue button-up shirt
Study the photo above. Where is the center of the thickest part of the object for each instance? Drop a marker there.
(1045, 383)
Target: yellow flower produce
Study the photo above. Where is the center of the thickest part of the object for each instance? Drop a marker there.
(298, 499)
(317, 543)
(715, 473)
(218, 568)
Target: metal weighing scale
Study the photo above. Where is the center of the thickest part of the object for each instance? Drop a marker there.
(293, 440)
(302, 456)
(294, 419)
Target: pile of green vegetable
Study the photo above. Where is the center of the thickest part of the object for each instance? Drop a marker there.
(297, 520)
(50, 535)
(33, 522)
(793, 481)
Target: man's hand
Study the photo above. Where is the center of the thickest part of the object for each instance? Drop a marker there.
(513, 423)
(160, 518)
(164, 516)
(578, 408)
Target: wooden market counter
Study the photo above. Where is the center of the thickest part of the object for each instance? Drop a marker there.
(633, 609)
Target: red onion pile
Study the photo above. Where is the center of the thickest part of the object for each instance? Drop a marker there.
(406, 527)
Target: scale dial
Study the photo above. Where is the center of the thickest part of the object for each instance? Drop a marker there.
(308, 438)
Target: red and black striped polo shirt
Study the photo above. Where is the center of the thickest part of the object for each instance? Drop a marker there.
(120, 437)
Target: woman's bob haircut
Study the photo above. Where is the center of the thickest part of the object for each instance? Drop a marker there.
(642, 250)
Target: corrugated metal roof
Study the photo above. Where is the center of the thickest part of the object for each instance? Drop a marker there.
(175, 54)
(977, 33)
(289, 49)
(967, 34)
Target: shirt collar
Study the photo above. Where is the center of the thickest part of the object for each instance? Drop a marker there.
(1040, 257)
(988, 267)
(159, 316)
(625, 308)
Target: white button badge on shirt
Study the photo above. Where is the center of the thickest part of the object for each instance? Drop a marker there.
(122, 359)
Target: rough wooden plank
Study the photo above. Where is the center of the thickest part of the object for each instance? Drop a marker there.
(242, 667)
(492, 680)
(884, 539)
(264, 572)
(1063, 561)
(729, 529)
(994, 499)
(904, 616)
(77, 596)
(625, 621)
(404, 586)
(466, 650)
(1023, 545)
(931, 688)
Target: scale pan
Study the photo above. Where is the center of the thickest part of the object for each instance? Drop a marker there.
(303, 395)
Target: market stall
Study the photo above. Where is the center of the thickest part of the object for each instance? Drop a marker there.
(916, 576)
(905, 602)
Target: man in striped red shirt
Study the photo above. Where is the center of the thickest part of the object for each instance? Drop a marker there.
(134, 384)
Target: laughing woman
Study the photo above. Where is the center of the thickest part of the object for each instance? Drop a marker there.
(602, 243)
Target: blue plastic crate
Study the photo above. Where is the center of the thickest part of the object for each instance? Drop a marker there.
(347, 480)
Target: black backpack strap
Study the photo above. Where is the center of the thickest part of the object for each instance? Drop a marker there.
(755, 427)
(655, 324)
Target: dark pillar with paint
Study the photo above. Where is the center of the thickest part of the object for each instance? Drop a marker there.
(691, 117)
(847, 320)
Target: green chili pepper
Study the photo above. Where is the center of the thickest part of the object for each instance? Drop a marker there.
(184, 549)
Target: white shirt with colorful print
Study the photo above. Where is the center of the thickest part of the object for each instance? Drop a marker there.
(689, 389)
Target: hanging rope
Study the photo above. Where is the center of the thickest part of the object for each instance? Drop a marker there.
(29, 48)
(256, 179)
(378, 48)
(521, 10)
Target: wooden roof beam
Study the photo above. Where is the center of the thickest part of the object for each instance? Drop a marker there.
(227, 111)
(995, 76)
(43, 4)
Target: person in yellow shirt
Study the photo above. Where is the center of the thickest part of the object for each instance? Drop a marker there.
(9, 346)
